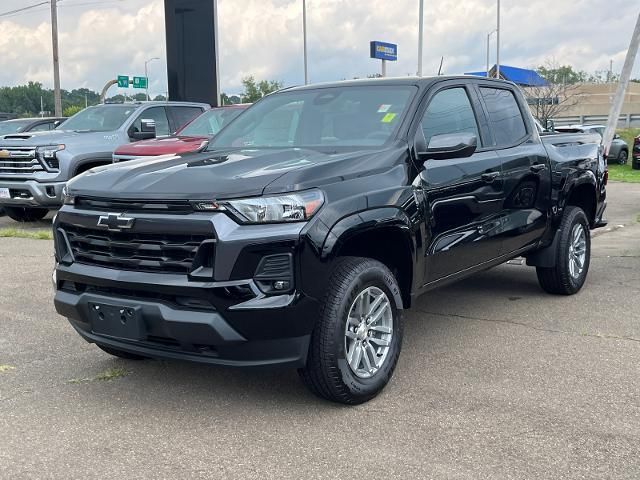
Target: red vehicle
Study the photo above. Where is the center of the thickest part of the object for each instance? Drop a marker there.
(635, 162)
(193, 137)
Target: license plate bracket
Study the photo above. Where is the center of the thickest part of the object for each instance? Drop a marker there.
(116, 321)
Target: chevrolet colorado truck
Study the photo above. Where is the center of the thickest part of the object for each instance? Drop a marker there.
(315, 218)
(35, 166)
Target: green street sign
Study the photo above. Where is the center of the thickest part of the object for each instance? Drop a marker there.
(123, 81)
(139, 82)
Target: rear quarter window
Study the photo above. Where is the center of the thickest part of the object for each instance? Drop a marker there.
(504, 115)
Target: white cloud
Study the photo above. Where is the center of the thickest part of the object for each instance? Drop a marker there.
(264, 38)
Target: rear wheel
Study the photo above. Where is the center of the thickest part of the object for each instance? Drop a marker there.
(120, 353)
(573, 255)
(622, 157)
(26, 214)
(356, 343)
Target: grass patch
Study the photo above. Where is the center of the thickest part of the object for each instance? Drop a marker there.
(33, 234)
(624, 173)
(107, 375)
(5, 368)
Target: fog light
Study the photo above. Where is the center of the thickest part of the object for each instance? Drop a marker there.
(280, 285)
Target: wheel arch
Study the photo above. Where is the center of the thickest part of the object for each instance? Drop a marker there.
(90, 163)
(372, 234)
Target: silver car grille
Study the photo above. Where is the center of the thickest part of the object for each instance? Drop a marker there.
(19, 161)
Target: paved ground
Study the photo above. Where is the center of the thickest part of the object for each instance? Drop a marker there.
(496, 380)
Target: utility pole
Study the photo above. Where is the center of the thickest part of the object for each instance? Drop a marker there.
(420, 36)
(304, 40)
(488, 44)
(623, 83)
(498, 43)
(57, 99)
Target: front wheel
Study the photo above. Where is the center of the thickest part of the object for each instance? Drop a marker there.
(573, 255)
(357, 340)
(26, 214)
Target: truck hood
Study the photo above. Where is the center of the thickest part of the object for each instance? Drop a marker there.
(161, 146)
(54, 137)
(220, 175)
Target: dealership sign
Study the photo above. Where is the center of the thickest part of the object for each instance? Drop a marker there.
(383, 51)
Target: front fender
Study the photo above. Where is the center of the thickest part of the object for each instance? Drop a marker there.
(368, 220)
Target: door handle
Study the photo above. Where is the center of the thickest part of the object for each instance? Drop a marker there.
(538, 167)
(489, 176)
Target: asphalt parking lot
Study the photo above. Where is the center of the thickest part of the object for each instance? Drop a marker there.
(496, 380)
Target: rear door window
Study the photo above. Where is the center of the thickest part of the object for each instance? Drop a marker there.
(183, 115)
(505, 116)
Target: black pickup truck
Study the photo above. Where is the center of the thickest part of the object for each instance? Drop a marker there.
(315, 218)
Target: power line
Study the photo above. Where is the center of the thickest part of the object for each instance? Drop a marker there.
(18, 10)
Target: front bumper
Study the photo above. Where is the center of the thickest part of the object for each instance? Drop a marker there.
(168, 332)
(30, 193)
(226, 319)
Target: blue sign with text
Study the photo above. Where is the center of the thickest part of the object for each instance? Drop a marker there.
(384, 51)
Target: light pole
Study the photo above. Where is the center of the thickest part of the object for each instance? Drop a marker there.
(488, 40)
(304, 40)
(146, 76)
(420, 35)
(498, 42)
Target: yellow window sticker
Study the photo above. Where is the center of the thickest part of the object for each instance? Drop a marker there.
(388, 118)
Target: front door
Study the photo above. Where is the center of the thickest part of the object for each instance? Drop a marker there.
(463, 197)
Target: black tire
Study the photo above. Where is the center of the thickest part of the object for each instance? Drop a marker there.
(120, 353)
(327, 372)
(26, 214)
(623, 156)
(558, 279)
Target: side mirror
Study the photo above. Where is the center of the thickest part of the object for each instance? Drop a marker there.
(57, 123)
(450, 145)
(616, 136)
(147, 130)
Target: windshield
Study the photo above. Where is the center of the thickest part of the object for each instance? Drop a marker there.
(101, 118)
(349, 116)
(14, 126)
(210, 122)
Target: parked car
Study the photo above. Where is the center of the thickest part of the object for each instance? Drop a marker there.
(619, 151)
(193, 137)
(23, 125)
(315, 218)
(636, 153)
(35, 166)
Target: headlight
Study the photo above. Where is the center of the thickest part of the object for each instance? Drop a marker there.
(49, 151)
(67, 199)
(48, 155)
(292, 207)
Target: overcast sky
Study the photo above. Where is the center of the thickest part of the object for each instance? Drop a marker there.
(102, 38)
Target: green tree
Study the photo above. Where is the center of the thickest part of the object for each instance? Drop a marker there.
(71, 110)
(254, 91)
(561, 74)
(159, 98)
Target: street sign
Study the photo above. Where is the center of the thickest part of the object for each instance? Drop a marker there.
(140, 82)
(123, 81)
(383, 51)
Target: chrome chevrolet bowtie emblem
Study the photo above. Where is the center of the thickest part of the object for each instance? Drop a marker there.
(115, 221)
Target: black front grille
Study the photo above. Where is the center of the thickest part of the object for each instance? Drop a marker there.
(134, 206)
(145, 252)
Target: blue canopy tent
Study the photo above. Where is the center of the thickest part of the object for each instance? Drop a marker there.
(520, 76)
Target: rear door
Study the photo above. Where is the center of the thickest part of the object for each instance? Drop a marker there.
(525, 167)
(462, 197)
